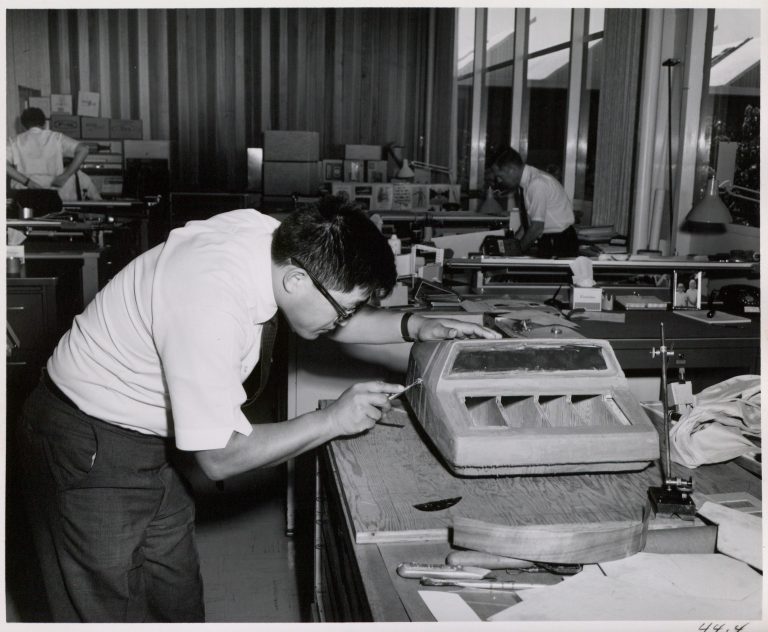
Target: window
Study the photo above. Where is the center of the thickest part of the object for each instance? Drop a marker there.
(549, 37)
(536, 121)
(730, 112)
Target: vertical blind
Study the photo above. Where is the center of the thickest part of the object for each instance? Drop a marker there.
(212, 80)
(617, 119)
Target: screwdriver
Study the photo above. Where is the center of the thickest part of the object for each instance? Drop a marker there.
(416, 382)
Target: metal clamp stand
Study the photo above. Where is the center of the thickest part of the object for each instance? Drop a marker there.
(674, 497)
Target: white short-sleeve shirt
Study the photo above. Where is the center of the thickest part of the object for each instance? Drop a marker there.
(164, 348)
(546, 200)
(39, 154)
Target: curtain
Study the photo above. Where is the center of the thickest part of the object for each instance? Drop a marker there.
(617, 118)
(212, 80)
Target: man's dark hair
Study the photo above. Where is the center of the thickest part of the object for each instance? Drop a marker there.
(339, 245)
(509, 158)
(33, 117)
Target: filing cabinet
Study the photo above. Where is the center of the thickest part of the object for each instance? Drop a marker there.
(40, 304)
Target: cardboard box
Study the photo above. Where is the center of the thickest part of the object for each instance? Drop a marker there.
(124, 129)
(333, 170)
(362, 152)
(94, 128)
(590, 299)
(66, 124)
(375, 170)
(287, 178)
(61, 104)
(88, 103)
(291, 146)
(354, 171)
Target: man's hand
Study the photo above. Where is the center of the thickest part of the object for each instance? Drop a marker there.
(59, 180)
(448, 329)
(360, 406)
(31, 184)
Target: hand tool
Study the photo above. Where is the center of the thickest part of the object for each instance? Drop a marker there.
(417, 570)
(486, 560)
(437, 505)
(416, 382)
(487, 585)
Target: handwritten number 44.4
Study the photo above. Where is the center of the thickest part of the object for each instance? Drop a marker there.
(721, 627)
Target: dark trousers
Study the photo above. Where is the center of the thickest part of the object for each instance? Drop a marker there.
(564, 244)
(112, 520)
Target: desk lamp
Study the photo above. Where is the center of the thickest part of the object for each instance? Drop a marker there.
(710, 210)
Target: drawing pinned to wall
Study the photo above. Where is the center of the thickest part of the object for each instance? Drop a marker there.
(442, 194)
(401, 197)
(381, 197)
(333, 170)
(344, 191)
(420, 197)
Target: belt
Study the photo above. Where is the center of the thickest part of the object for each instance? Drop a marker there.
(55, 390)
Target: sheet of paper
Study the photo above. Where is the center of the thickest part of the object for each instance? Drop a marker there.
(539, 317)
(447, 606)
(648, 587)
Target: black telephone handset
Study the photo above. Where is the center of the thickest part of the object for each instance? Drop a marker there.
(740, 298)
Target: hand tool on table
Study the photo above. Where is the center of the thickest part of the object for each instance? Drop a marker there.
(479, 583)
(500, 562)
(437, 505)
(419, 570)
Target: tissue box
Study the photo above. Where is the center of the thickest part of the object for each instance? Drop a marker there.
(587, 298)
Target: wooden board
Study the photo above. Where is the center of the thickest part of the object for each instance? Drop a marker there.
(384, 472)
(559, 543)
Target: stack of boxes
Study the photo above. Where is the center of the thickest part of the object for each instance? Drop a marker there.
(291, 163)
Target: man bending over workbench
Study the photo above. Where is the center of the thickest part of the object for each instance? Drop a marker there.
(157, 361)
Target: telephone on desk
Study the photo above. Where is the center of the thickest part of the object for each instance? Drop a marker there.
(740, 298)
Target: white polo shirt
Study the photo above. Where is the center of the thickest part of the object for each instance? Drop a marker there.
(546, 200)
(164, 348)
(39, 154)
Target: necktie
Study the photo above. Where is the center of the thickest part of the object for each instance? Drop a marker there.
(257, 379)
(520, 199)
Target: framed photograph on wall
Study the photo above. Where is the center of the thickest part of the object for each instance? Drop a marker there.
(686, 289)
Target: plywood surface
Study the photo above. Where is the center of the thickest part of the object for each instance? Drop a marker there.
(384, 472)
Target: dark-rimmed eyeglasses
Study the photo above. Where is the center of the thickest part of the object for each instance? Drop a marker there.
(343, 315)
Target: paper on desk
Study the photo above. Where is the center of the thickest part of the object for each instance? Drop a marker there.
(538, 317)
(647, 586)
(448, 606)
(463, 244)
(499, 304)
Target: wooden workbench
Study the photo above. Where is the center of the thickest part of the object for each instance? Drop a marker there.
(367, 525)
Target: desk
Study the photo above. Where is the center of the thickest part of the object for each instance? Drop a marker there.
(696, 345)
(608, 273)
(358, 582)
(323, 369)
(87, 253)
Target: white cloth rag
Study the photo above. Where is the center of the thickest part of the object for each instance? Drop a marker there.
(717, 427)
